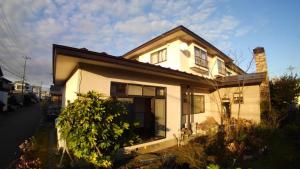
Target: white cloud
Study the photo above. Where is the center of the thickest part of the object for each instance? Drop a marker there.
(114, 27)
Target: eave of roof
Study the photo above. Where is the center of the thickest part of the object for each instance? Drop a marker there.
(194, 35)
(103, 57)
(239, 80)
(186, 30)
(4, 79)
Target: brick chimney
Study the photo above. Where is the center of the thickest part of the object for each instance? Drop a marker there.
(261, 66)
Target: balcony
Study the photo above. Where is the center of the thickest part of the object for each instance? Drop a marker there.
(201, 62)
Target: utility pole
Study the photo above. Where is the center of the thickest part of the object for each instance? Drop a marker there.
(40, 92)
(24, 72)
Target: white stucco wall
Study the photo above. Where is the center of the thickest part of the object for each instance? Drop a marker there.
(250, 109)
(173, 57)
(183, 60)
(100, 81)
(70, 89)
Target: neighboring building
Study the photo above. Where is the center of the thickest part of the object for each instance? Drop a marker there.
(171, 82)
(56, 94)
(5, 86)
(45, 94)
(27, 88)
(37, 90)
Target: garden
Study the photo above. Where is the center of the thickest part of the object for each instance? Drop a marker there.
(95, 129)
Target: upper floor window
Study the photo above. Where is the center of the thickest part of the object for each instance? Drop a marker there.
(221, 67)
(201, 57)
(159, 56)
(228, 73)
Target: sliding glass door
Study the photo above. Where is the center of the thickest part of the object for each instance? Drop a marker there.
(146, 105)
(160, 117)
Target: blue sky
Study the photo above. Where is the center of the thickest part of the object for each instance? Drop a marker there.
(30, 27)
(278, 30)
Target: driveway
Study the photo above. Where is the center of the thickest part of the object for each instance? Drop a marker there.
(15, 127)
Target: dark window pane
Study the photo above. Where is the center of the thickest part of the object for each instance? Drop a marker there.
(118, 89)
(160, 92)
(197, 52)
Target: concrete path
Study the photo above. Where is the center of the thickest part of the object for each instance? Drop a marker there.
(15, 127)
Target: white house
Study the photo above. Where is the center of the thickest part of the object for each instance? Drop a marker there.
(171, 81)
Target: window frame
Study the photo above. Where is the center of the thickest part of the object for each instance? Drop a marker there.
(204, 60)
(158, 58)
(127, 95)
(238, 99)
(203, 104)
(221, 65)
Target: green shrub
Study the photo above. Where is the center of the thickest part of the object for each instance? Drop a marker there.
(95, 128)
(213, 166)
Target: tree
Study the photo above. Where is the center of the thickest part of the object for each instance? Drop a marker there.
(95, 128)
(285, 90)
(284, 93)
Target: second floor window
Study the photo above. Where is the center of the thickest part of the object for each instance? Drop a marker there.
(158, 56)
(221, 67)
(201, 57)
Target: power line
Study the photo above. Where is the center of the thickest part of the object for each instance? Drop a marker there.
(9, 67)
(6, 22)
(12, 73)
(8, 52)
(13, 38)
(8, 48)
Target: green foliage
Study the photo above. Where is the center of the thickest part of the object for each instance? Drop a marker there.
(285, 90)
(284, 97)
(213, 166)
(95, 128)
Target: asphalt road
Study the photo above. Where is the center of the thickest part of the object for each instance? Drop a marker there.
(15, 127)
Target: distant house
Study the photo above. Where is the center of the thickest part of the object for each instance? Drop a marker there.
(37, 90)
(27, 88)
(171, 82)
(45, 94)
(5, 86)
(56, 94)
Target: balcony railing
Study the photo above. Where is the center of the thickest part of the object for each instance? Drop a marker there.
(222, 70)
(201, 62)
